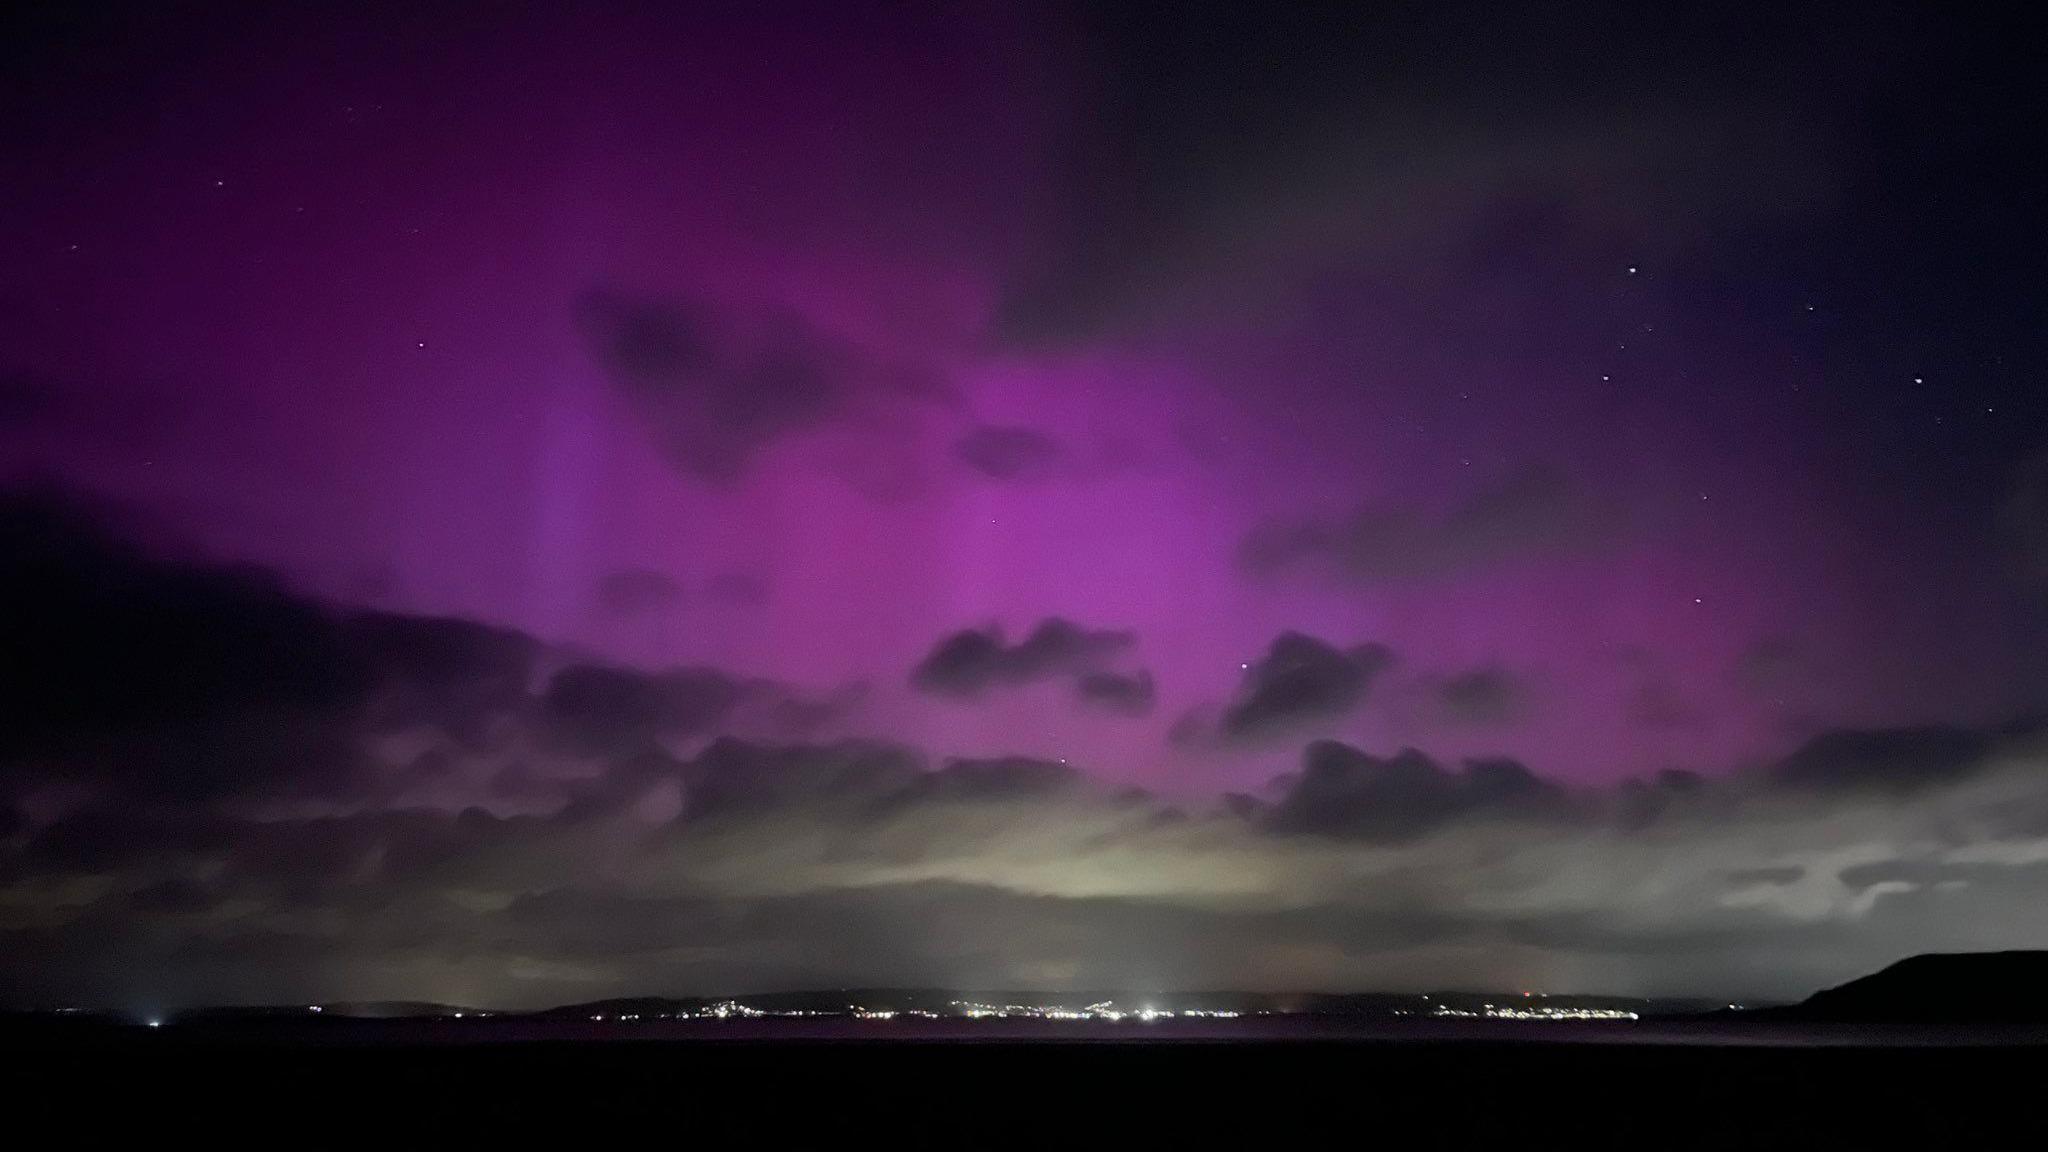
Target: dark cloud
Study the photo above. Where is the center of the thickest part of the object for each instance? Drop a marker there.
(184, 679)
(1483, 696)
(107, 638)
(454, 674)
(971, 662)
(1005, 453)
(166, 678)
(1341, 791)
(1894, 760)
(1124, 693)
(637, 591)
(717, 386)
(1299, 681)
(1535, 511)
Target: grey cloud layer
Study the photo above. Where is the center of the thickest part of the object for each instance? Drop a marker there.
(857, 862)
(220, 790)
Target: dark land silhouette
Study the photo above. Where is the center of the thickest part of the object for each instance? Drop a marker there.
(1933, 1051)
(1961, 988)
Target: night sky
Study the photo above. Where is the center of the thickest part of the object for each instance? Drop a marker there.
(509, 506)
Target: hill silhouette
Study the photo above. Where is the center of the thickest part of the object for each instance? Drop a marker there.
(1939, 988)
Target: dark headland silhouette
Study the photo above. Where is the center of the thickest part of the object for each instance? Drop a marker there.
(1963, 988)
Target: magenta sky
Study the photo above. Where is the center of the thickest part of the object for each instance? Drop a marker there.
(508, 505)
(1684, 444)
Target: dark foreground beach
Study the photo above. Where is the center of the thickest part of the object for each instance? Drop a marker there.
(285, 1087)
